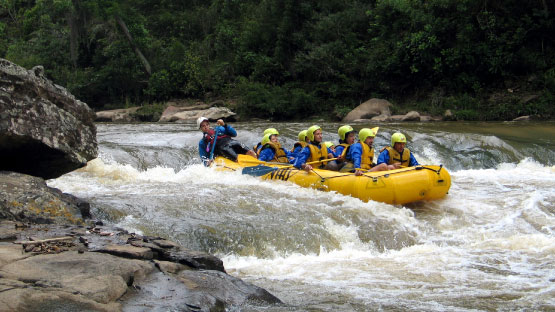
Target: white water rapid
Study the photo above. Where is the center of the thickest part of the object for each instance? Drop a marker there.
(488, 246)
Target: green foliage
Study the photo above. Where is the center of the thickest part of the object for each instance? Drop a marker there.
(181, 79)
(274, 102)
(151, 112)
(280, 58)
(466, 114)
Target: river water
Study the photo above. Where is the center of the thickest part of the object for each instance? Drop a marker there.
(489, 245)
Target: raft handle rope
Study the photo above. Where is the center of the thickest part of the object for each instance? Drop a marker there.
(322, 179)
(436, 171)
(386, 175)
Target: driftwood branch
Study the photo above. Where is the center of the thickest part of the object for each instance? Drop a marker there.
(48, 240)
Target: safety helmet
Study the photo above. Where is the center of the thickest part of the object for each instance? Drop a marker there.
(328, 144)
(266, 139)
(271, 130)
(310, 132)
(364, 133)
(398, 137)
(200, 120)
(343, 130)
(302, 136)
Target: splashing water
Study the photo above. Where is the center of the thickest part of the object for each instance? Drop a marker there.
(489, 245)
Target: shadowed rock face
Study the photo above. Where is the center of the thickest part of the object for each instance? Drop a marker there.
(44, 130)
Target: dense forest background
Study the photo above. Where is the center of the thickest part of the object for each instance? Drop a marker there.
(287, 59)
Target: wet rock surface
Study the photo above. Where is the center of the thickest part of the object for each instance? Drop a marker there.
(27, 198)
(101, 268)
(44, 130)
(52, 258)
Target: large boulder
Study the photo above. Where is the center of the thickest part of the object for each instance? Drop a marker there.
(77, 268)
(28, 199)
(44, 130)
(213, 113)
(117, 115)
(369, 109)
(171, 110)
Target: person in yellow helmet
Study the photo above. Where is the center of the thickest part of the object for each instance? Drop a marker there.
(271, 150)
(258, 146)
(330, 145)
(314, 151)
(397, 155)
(346, 138)
(302, 143)
(361, 154)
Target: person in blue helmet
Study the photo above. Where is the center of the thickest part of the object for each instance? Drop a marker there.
(314, 151)
(271, 150)
(397, 155)
(225, 145)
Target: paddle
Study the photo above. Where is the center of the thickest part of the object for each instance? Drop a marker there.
(262, 169)
(258, 171)
(213, 147)
(249, 159)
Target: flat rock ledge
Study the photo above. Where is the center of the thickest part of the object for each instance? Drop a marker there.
(102, 268)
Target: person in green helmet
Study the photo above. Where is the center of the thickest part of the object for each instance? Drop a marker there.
(397, 155)
(330, 145)
(346, 138)
(272, 151)
(314, 151)
(361, 154)
(258, 146)
(340, 151)
(302, 143)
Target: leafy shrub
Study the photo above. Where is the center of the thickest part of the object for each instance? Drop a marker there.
(151, 112)
(466, 114)
(273, 102)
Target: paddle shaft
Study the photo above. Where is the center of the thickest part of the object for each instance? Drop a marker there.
(256, 161)
(214, 145)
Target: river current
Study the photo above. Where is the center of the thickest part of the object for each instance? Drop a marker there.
(489, 245)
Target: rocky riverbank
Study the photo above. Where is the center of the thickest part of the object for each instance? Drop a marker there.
(101, 268)
(53, 257)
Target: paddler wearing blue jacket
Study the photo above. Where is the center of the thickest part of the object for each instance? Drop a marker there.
(397, 155)
(258, 146)
(346, 139)
(314, 151)
(271, 150)
(225, 145)
(361, 154)
(299, 145)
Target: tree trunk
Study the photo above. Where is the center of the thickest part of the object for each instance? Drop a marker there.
(73, 39)
(138, 52)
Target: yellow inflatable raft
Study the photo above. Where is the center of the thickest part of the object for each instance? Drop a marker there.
(398, 186)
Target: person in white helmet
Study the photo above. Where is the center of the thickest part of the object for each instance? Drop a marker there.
(225, 145)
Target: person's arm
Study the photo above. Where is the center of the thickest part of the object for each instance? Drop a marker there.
(227, 129)
(338, 151)
(302, 157)
(266, 155)
(356, 154)
(331, 153)
(290, 156)
(383, 158)
(412, 161)
(203, 154)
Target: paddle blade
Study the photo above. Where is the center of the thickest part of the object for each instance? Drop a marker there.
(258, 171)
